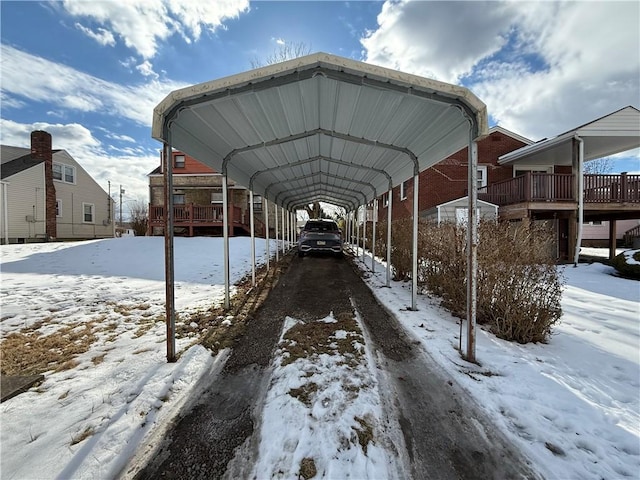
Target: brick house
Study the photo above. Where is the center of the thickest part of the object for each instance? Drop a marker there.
(447, 181)
(47, 195)
(197, 199)
(526, 187)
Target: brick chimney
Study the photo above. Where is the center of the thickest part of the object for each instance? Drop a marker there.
(41, 150)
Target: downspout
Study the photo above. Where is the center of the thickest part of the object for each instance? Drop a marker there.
(576, 254)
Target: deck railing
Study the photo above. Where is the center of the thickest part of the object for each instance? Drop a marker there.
(554, 187)
(192, 214)
(611, 188)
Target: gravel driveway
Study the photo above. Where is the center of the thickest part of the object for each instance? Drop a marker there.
(440, 433)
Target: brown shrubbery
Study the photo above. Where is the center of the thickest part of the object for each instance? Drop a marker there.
(519, 287)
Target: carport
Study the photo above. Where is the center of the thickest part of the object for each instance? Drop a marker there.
(321, 128)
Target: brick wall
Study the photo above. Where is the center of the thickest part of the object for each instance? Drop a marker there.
(447, 180)
(41, 150)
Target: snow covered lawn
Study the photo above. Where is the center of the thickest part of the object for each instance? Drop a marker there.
(572, 405)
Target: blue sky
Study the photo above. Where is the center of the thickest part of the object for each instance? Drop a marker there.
(91, 72)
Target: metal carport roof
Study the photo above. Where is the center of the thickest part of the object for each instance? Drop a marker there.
(320, 127)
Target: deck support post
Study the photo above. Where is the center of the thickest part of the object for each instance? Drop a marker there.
(612, 239)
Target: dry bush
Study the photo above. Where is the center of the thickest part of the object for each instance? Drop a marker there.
(401, 239)
(442, 266)
(519, 288)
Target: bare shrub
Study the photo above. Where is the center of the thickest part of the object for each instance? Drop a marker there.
(139, 213)
(519, 288)
(442, 266)
(401, 245)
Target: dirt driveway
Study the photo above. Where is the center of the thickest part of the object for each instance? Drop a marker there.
(440, 433)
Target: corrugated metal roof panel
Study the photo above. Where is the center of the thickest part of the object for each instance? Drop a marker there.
(320, 125)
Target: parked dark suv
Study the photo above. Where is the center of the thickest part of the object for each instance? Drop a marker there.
(320, 236)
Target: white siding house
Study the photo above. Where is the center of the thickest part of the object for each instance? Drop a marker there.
(25, 210)
(80, 207)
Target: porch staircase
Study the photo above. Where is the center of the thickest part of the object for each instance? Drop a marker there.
(631, 237)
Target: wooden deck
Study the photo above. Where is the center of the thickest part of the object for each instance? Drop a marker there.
(195, 218)
(559, 188)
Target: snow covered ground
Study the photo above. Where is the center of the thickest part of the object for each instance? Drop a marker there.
(573, 405)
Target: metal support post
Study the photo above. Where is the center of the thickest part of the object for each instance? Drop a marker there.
(170, 311)
(267, 235)
(225, 228)
(414, 244)
(389, 196)
(253, 239)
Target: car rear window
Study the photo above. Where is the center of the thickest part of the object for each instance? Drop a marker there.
(320, 226)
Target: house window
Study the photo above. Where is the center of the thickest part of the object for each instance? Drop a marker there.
(404, 186)
(257, 203)
(88, 212)
(178, 199)
(385, 200)
(482, 176)
(179, 161)
(64, 173)
(57, 171)
(58, 207)
(216, 197)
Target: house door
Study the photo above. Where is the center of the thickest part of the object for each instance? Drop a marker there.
(563, 239)
(540, 184)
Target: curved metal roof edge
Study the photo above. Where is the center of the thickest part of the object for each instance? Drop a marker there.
(328, 61)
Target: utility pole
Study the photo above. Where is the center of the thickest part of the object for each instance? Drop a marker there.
(121, 193)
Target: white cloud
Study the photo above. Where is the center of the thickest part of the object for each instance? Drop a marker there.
(90, 94)
(146, 69)
(142, 24)
(541, 67)
(102, 36)
(87, 150)
(443, 40)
